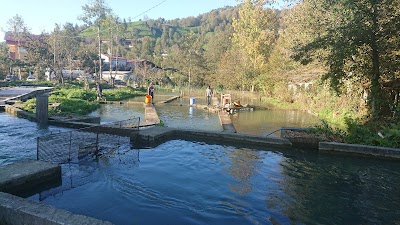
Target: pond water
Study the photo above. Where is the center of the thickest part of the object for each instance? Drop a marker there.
(179, 114)
(182, 182)
(263, 122)
(18, 138)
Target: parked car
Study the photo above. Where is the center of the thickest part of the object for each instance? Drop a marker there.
(10, 78)
(119, 82)
(31, 78)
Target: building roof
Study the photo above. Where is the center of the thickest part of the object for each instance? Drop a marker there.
(9, 37)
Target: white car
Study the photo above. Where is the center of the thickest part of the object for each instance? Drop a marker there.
(31, 79)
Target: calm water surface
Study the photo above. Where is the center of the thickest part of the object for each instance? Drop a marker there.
(179, 114)
(263, 122)
(112, 113)
(18, 138)
(182, 182)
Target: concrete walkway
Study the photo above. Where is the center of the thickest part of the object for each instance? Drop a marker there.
(226, 122)
(24, 176)
(20, 93)
(151, 115)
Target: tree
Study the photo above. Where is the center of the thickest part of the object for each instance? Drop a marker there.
(93, 14)
(255, 31)
(39, 55)
(18, 29)
(359, 40)
(189, 59)
(64, 44)
(5, 60)
(147, 48)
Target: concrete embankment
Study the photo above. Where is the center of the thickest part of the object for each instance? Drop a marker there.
(226, 122)
(16, 211)
(374, 151)
(156, 135)
(28, 176)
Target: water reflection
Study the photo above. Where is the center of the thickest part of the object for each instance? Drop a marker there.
(262, 122)
(339, 190)
(112, 113)
(182, 182)
(186, 117)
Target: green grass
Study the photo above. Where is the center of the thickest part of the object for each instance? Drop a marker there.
(74, 100)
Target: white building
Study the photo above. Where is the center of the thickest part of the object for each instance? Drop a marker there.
(119, 75)
(113, 60)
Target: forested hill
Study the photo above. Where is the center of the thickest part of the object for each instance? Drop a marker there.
(167, 32)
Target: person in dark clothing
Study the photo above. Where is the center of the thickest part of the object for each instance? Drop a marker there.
(99, 90)
(150, 91)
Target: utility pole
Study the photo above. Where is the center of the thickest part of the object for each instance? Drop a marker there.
(100, 67)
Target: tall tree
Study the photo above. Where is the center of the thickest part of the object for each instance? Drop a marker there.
(93, 14)
(39, 55)
(18, 29)
(255, 31)
(359, 39)
(5, 60)
(64, 43)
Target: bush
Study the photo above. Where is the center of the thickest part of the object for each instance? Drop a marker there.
(82, 94)
(373, 133)
(121, 94)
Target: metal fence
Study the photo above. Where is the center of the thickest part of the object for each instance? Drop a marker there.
(71, 146)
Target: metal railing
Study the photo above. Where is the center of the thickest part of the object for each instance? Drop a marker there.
(70, 146)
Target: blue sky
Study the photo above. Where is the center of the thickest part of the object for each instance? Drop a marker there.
(41, 15)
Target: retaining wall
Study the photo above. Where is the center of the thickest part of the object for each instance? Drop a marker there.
(17, 211)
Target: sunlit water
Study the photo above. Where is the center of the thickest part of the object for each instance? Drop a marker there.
(263, 122)
(179, 114)
(182, 182)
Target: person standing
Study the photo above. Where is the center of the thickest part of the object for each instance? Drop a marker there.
(209, 94)
(150, 91)
(99, 90)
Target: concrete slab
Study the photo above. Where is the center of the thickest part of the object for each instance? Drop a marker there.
(16, 211)
(22, 93)
(25, 176)
(154, 136)
(168, 100)
(382, 152)
(151, 115)
(226, 122)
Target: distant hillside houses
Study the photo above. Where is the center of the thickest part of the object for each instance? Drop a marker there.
(122, 64)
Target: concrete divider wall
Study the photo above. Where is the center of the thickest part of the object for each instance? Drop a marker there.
(333, 147)
(17, 211)
(20, 113)
(156, 135)
(25, 176)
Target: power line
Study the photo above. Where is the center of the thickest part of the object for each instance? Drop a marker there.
(149, 9)
(90, 34)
